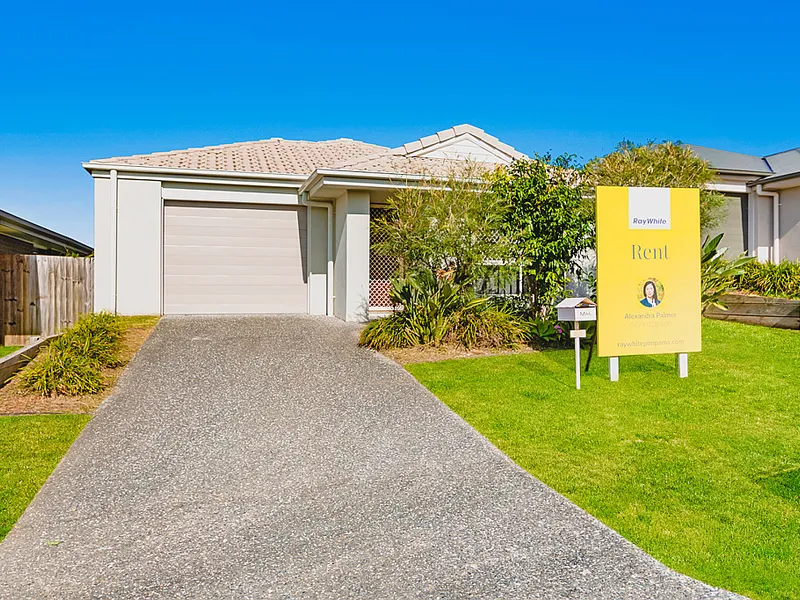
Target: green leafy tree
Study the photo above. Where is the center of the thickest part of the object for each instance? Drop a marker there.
(546, 223)
(452, 224)
(667, 164)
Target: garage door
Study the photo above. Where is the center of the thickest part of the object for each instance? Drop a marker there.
(224, 259)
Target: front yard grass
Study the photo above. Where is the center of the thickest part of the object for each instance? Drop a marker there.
(6, 350)
(30, 448)
(702, 473)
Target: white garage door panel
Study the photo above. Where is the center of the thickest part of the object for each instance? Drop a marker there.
(228, 270)
(222, 259)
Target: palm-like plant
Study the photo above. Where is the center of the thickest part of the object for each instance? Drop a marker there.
(719, 275)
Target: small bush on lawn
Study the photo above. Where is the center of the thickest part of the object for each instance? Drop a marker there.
(72, 363)
(768, 279)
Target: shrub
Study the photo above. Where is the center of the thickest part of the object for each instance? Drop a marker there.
(485, 326)
(544, 331)
(434, 311)
(455, 223)
(668, 164)
(62, 371)
(97, 336)
(718, 275)
(780, 280)
(72, 363)
(546, 223)
(388, 332)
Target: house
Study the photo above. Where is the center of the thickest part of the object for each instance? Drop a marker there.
(273, 226)
(18, 236)
(763, 216)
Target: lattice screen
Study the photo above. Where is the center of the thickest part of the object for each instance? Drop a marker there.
(381, 267)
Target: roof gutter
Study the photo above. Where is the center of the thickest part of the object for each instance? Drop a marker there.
(776, 221)
(91, 167)
(777, 178)
(742, 172)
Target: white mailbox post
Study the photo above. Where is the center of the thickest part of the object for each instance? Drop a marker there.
(577, 310)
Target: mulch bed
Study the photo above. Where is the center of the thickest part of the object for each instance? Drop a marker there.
(16, 401)
(419, 354)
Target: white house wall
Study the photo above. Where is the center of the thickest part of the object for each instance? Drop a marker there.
(351, 271)
(317, 260)
(762, 226)
(105, 246)
(139, 247)
(790, 223)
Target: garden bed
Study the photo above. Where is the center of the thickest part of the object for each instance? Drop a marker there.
(419, 354)
(16, 401)
(758, 310)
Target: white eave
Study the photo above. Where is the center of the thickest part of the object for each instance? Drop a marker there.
(335, 178)
(103, 169)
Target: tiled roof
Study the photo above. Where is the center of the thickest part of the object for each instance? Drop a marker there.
(287, 157)
(267, 156)
(723, 160)
(399, 164)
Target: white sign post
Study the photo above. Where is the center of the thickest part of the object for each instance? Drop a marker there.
(577, 310)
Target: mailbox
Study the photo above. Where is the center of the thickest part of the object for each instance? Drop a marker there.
(577, 309)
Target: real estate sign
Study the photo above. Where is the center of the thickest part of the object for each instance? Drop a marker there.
(648, 270)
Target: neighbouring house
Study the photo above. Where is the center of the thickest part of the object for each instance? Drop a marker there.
(45, 281)
(273, 226)
(763, 216)
(18, 236)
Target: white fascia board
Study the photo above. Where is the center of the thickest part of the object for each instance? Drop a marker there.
(780, 184)
(356, 179)
(102, 170)
(733, 188)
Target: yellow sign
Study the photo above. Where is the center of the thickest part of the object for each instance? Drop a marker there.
(648, 270)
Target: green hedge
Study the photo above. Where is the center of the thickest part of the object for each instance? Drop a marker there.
(72, 364)
(780, 280)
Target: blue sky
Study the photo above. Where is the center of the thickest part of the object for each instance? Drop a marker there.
(92, 80)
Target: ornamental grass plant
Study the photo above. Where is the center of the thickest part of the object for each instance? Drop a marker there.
(72, 364)
(780, 280)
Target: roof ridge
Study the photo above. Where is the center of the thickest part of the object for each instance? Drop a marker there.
(350, 162)
(455, 131)
(783, 152)
(234, 145)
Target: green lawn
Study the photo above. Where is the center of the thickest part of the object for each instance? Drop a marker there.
(30, 448)
(702, 473)
(6, 350)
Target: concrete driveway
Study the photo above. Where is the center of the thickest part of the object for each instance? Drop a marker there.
(271, 458)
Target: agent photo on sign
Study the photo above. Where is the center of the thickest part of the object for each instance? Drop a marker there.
(650, 293)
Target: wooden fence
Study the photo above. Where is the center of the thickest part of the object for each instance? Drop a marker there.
(43, 295)
(757, 310)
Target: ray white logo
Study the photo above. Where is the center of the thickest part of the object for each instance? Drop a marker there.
(648, 208)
